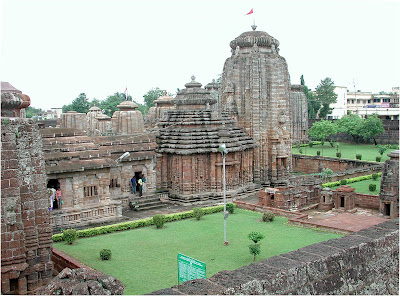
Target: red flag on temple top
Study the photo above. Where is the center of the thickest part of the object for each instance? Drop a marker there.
(251, 11)
(126, 88)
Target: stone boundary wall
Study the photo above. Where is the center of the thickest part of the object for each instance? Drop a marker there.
(343, 167)
(364, 262)
(367, 201)
(62, 260)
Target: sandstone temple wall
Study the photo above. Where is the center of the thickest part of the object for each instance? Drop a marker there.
(364, 262)
(25, 229)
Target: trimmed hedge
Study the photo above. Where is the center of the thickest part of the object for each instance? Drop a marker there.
(351, 180)
(308, 144)
(136, 224)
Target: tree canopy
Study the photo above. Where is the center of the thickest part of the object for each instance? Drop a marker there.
(371, 128)
(80, 104)
(323, 130)
(325, 95)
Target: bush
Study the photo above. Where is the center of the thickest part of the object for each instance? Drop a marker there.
(351, 180)
(105, 254)
(338, 154)
(255, 236)
(159, 220)
(310, 144)
(230, 207)
(343, 182)
(300, 150)
(378, 159)
(268, 217)
(375, 176)
(69, 236)
(372, 187)
(318, 152)
(358, 156)
(198, 213)
(254, 250)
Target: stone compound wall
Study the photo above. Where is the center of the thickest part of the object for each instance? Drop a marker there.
(25, 229)
(364, 262)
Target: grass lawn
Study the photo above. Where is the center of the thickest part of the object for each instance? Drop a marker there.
(145, 259)
(368, 151)
(362, 186)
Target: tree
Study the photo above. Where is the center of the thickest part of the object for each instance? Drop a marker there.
(325, 94)
(151, 96)
(255, 237)
(372, 127)
(109, 105)
(350, 124)
(382, 149)
(31, 111)
(80, 105)
(323, 130)
(313, 104)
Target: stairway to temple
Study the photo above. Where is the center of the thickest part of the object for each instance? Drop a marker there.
(149, 202)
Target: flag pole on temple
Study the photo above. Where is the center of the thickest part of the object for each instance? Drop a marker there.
(254, 22)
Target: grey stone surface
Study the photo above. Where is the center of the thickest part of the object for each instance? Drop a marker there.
(200, 287)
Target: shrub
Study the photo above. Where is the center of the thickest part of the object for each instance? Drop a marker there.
(338, 154)
(378, 159)
(358, 156)
(343, 182)
(105, 254)
(351, 180)
(254, 250)
(318, 152)
(310, 144)
(198, 213)
(159, 220)
(300, 150)
(375, 176)
(372, 187)
(255, 236)
(69, 236)
(268, 217)
(230, 207)
(322, 143)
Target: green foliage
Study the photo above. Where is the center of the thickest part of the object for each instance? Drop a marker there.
(268, 217)
(109, 105)
(322, 130)
(136, 223)
(254, 250)
(230, 207)
(325, 95)
(198, 213)
(31, 111)
(318, 153)
(151, 96)
(69, 235)
(371, 128)
(350, 124)
(300, 151)
(338, 154)
(326, 174)
(343, 182)
(105, 254)
(310, 144)
(372, 187)
(358, 156)
(378, 159)
(159, 220)
(350, 180)
(255, 236)
(375, 176)
(80, 105)
(382, 149)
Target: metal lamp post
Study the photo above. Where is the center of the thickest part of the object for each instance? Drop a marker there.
(224, 151)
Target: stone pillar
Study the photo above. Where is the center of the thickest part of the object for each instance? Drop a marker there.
(326, 202)
(128, 120)
(389, 193)
(73, 119)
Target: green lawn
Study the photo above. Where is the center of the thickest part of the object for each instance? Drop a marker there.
(368, 151)
(145, 259)
(362, 186)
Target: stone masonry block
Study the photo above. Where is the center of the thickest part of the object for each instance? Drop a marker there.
(199, 287)
(230, 279)
(333, 285)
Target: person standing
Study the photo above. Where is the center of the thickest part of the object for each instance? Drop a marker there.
(58, 197)
(140, 183)
(133, 185)
(144, 183)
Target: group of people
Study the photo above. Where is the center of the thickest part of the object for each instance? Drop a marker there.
(139, 183)
(55, 198)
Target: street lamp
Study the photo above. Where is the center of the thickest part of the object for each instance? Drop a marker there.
(224, 151)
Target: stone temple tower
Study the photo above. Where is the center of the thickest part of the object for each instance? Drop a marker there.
(255, 90)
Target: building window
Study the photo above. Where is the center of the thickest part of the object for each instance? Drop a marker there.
(89, 191)
(386, 100)
(352, 101)
(358, 101)
(348, 101)
(369, 101)
(114, 183)
(377, 100)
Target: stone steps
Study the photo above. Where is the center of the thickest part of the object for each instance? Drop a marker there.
(146, 203)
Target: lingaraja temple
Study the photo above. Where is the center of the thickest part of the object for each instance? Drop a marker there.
(190, 166)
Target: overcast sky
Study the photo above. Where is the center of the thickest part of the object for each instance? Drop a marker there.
(54, 50)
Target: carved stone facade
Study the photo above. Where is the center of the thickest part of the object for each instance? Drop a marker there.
(128, 120)
(344, 198)
(25, 229)
(389, 194)
(299, 114)
(160, 108)
(256, 89)
(190, 166)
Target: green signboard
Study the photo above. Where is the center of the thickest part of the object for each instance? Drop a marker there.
(190, 269)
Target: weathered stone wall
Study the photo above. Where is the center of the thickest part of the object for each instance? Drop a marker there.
(299, 114)
(25, 229)
(73, 119)
(314, 164)
(389, 194)
(364, 262)
(62, 260)
(367, 201)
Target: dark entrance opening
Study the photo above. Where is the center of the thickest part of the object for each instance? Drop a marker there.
(342, 201)
(138, 175)
(387, 209)
(14, 286)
